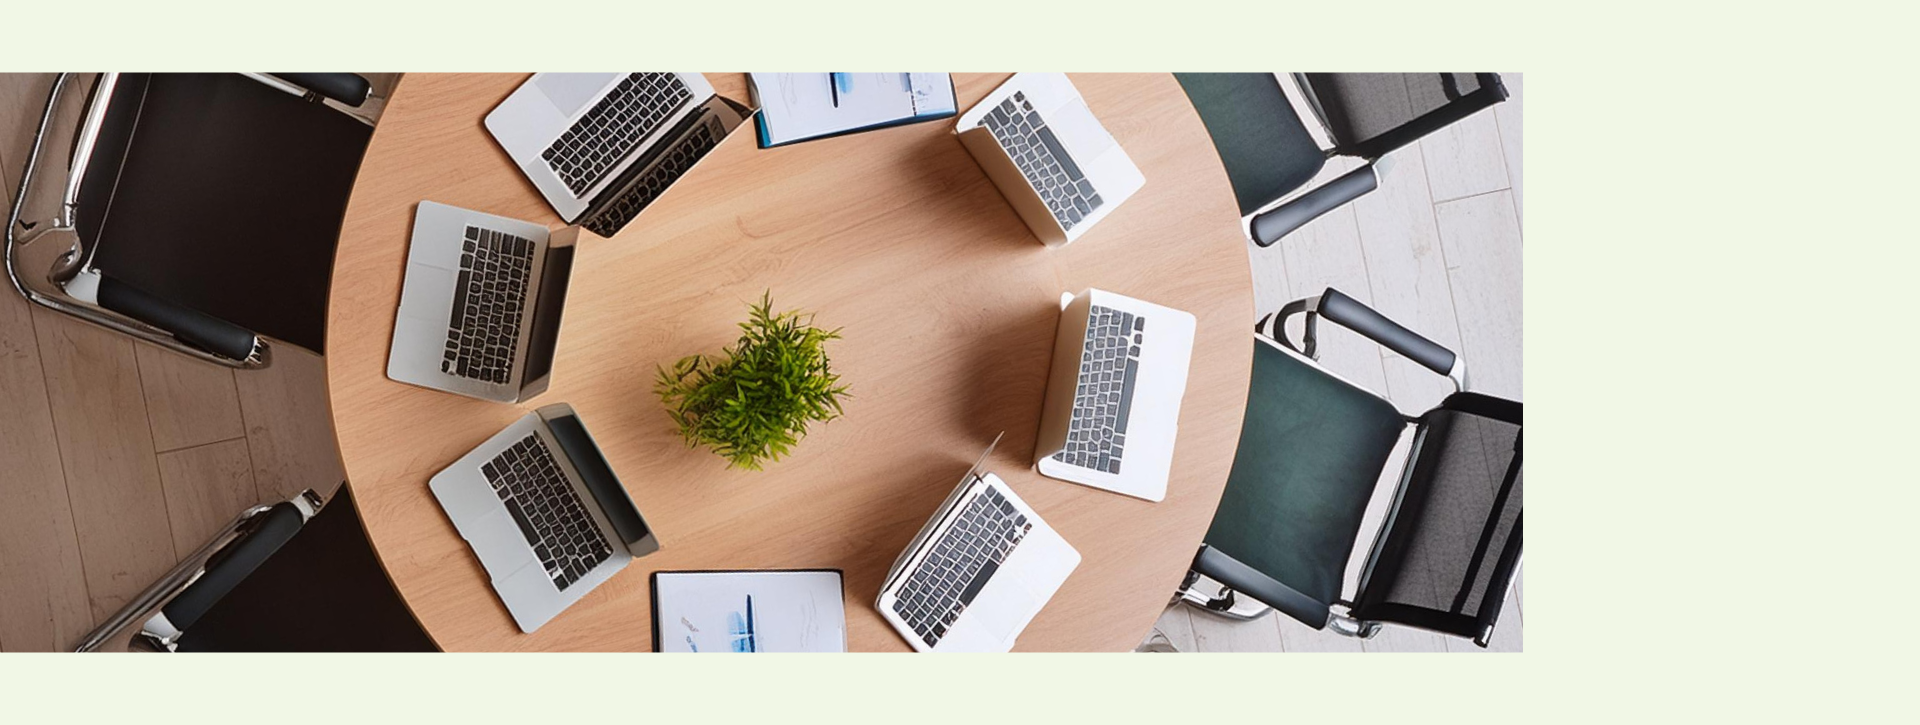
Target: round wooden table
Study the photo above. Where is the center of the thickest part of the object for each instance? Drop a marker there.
(948, 305)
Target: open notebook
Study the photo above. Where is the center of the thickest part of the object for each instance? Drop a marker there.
(802, 106)
(749, 611)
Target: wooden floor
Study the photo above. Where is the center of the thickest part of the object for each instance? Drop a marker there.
(117, 457)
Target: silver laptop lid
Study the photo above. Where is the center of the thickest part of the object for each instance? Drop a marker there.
(431, 291)
(940, 514)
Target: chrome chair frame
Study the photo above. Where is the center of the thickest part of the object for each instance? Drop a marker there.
(43, 238)
(156, 634)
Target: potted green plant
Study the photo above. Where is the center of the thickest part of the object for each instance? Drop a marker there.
(753, 402)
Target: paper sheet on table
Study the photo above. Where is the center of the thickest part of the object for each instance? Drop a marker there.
(749, 611)
(801, 106)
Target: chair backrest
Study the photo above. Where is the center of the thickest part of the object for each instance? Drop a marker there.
(1312, 447)
(1265, 149)
(223, 195)
(1453, 539)
(1370, 114)
(323, 591)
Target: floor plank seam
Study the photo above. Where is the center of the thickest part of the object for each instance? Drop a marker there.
(246, 429)
(1437, 202)
(146, 406)
(253, 467)
(158, 452)
(166, 507)
(60, 457)
(1500, 132)
(1447, 266)
(1366, 269)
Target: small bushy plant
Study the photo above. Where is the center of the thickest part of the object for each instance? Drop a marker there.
(753, 402)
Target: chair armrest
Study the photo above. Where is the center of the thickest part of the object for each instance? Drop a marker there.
(192, 326)
(1249, 581)
(1353, 315)
(347, 88)
(232, 564)
(1358, 317)
(1269, 226)
(144, 611)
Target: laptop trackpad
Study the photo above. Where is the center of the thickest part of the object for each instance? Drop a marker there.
(1080, 132)
(570, 92)
(497, 541)
(1003, 606)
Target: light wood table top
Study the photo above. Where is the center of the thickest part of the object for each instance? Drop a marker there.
(948, 305)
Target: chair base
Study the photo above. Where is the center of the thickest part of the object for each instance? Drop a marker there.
(1203, 593)
(1207, 595)
(1349, 627)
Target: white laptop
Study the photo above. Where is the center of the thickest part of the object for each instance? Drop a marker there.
(977, 572)
(602, 146)
(1113, 395)
(544, 513)
(1049, 156)
(480, 308)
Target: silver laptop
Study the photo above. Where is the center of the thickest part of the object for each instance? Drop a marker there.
(1113, 396)
(544, 513)
(480, 307)
(602, 146)
(1049, 156)
(977, 572)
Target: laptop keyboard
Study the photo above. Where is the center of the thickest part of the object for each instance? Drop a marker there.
(610, 130)
(487, 303)
(959, 564)
(1109, 363)
(547, 510)
(1031, 143)
(644, 190)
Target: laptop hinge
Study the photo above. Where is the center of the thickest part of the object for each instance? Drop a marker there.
(660, 148)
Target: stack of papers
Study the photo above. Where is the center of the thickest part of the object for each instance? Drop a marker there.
(801, 106)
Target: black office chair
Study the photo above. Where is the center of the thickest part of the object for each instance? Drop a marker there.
(1313, 448)
(1272, 145)
(289, 577)
(199, 212)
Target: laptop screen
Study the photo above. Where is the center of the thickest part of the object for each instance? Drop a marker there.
(598, 476)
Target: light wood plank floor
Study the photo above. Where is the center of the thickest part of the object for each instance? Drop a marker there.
(117, 457)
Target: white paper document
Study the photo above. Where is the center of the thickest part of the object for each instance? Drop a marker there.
(749, 611)
(801, 106)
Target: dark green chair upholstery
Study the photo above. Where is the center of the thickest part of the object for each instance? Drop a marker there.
(1266, 151)
(1311, 449)
(1312, 452)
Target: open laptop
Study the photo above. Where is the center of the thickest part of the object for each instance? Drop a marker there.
(602, 146)
(544, 513)
(1049, 156)
(977, 572)
(480, 307)
(1113, 396)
